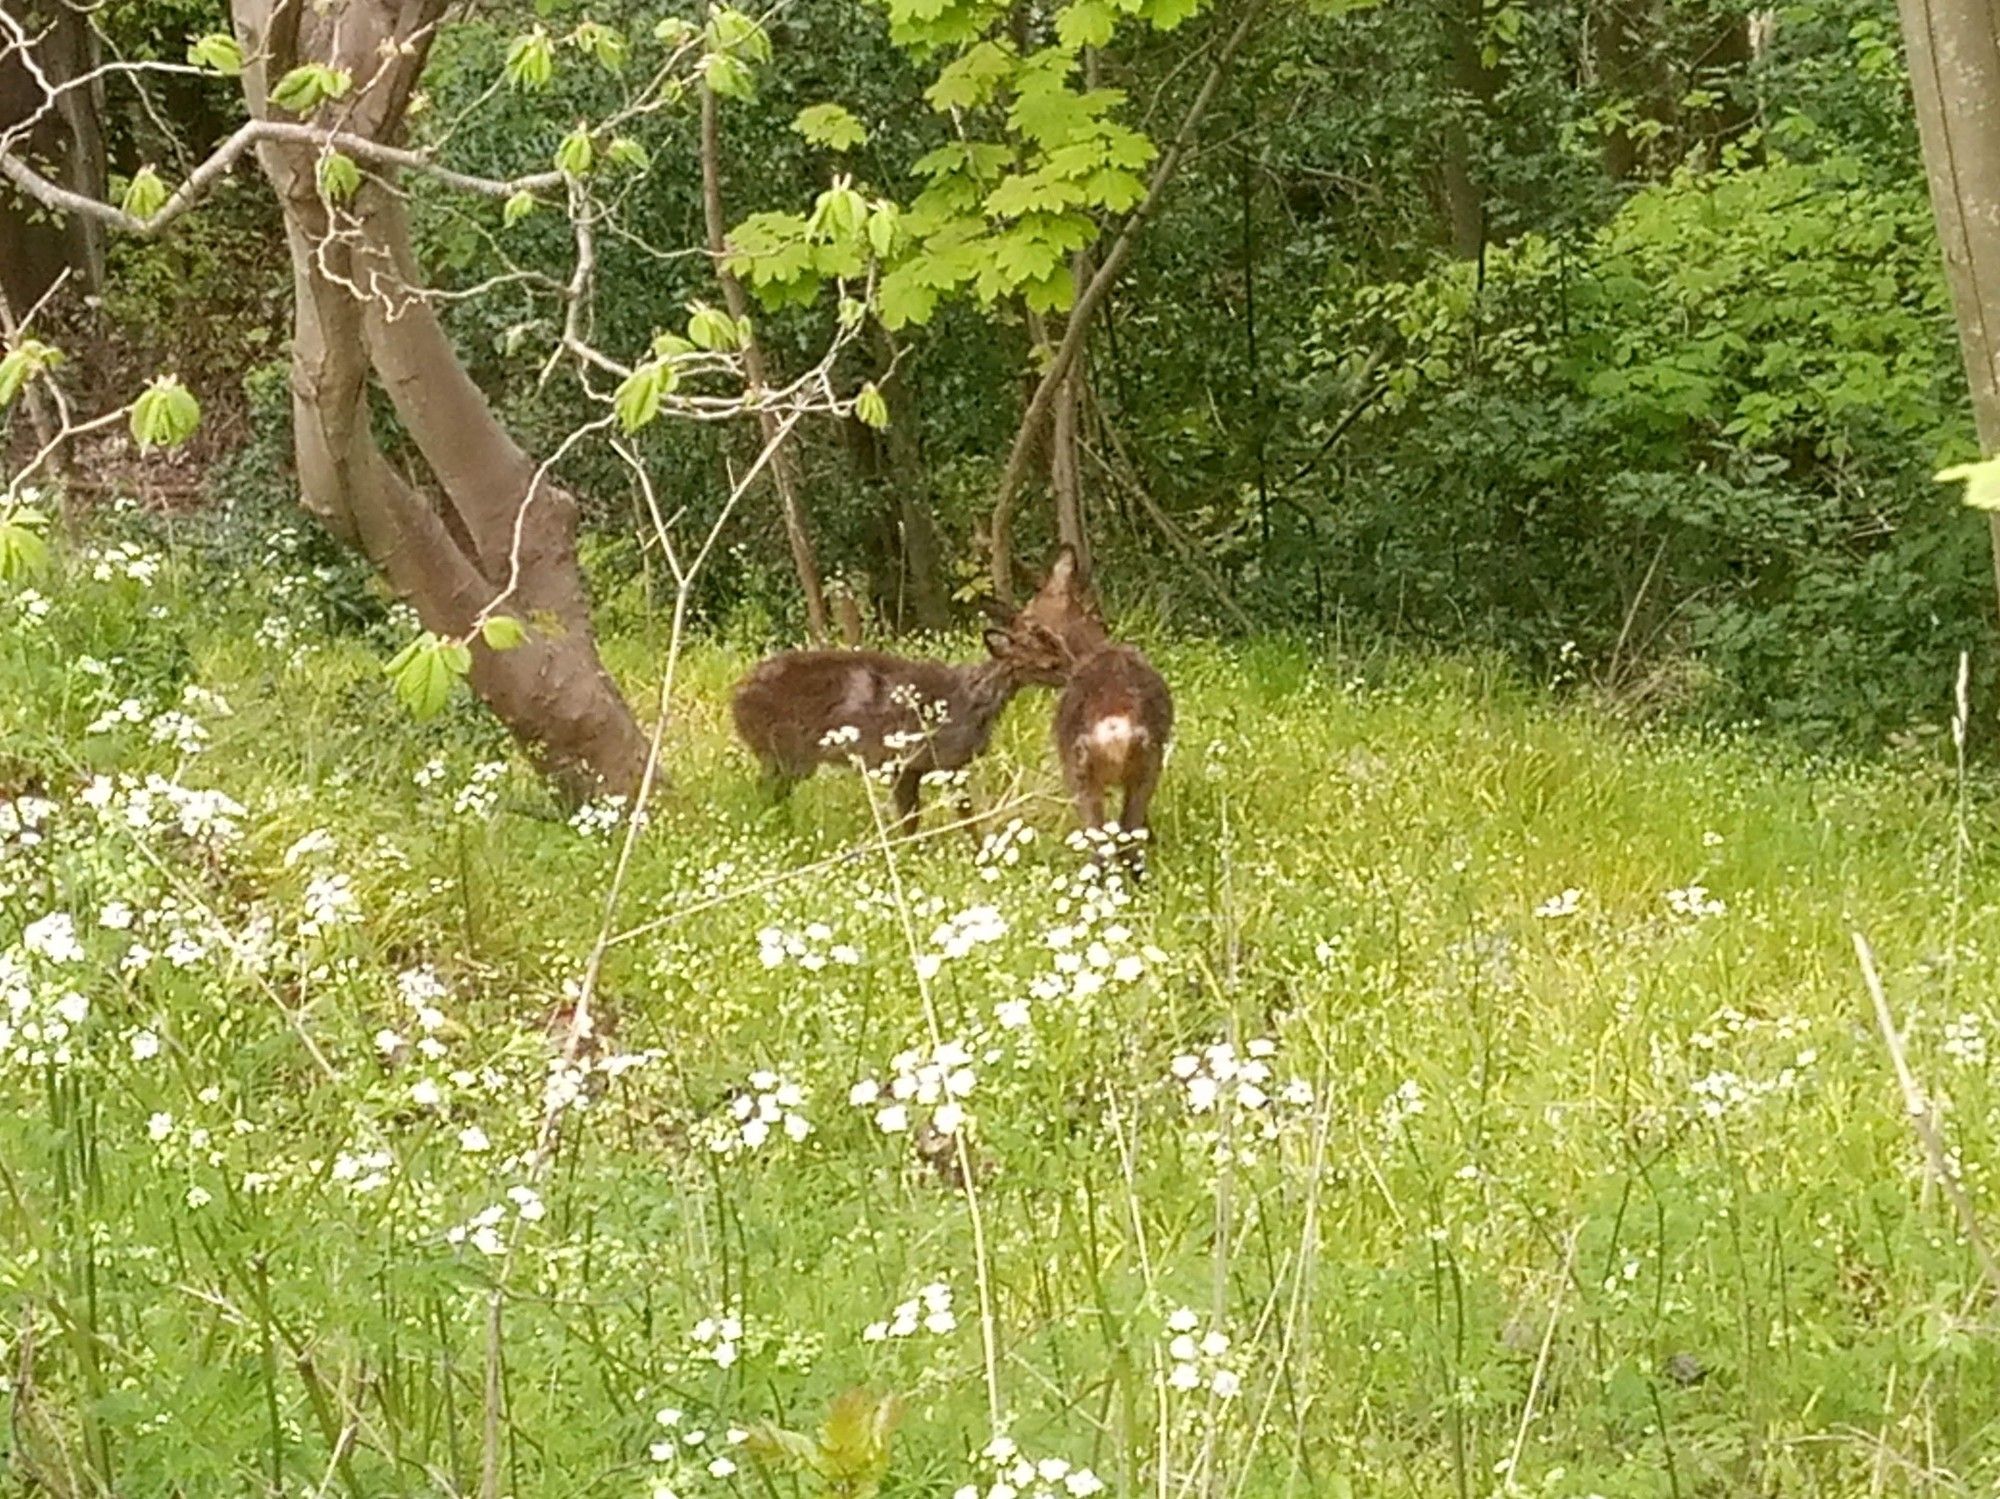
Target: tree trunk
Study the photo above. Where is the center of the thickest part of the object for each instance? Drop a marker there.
(784, 461)
(1954, 49)
(358, 308)
(70, 139)
(1472, 86)
(923, 556)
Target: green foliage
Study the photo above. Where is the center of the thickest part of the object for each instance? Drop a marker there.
(425, 672)
(871, 407)
(850, 1455)
(531, 60)
(145, 194)
(23, 551)
(577, 153)
(1709, 426)
(218, 52)
(339, 177)
(503, 632)
(28, 358)
(831, 126)
(308, 86)
(1981, 480)
(637, 399)
(165, 415)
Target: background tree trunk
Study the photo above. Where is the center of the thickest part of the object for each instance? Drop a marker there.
(784, 461)
(553, 693)
(70, 141)
(1954, 50)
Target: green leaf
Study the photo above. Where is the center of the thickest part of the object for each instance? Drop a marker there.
(27, 359)
(218, 51)
(23, 552)
(709, 328)
(165, 415)
(883, 221)
(518, 208)
(1981, 480)
(531, 61)
(1087, 23)
(733, 32)
(831, 126)
(305, 88)
(637, 399)
(871, 408)
(605, 43)
(839, 212)
(424, 672)
(626, 152)
(674, 31)
(503, 632)
(576, 154)
(671, 346)
(905, 297)
(728, 77)
(972, 78)
(339, 177)
(145, 194)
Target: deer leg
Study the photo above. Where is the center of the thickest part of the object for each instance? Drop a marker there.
(908, 784)
(776, 783)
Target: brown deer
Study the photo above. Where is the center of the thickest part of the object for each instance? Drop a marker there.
(800, 710)
(1115, 716)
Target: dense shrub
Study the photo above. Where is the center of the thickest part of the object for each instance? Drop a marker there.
(1706, 430)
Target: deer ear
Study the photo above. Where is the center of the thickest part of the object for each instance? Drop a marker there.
(999, 642)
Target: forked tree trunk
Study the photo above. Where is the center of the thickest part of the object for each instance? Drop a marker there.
(359, 311)
(1954, 48)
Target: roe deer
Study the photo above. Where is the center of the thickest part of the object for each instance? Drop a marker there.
(1115, 716)
(800, 710)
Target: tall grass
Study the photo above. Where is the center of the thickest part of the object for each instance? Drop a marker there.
(1477, 1098)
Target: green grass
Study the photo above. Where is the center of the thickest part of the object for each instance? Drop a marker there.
(1621, 1202)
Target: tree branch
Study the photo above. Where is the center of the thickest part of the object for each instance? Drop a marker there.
(1078, 328)
(54, 196)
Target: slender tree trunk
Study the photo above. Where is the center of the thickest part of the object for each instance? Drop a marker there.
(1472, 86)
(784, 462)
(923, 553)
(553, 693)
(1954, 49)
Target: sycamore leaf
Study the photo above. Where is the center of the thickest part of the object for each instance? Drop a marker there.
(711, 328)
(1981, 480)
(871, 407)
(734, 32)
(637, 399)
(503, 632)
(576, 155)
(23, 552)
(831, 126)
(903, 298)
(882, 221)
(1087, 23)
(626, 152)
(424, 672)
(165, 415)
(531, 60)
(339, 177)
(21, 364)
(605, 43)
(219, 52)
(518, 207)
(308, 86)
(727, 76)
(145, 194)
(972, 78)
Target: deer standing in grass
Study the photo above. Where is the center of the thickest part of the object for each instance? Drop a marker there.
(800, 710)
(1115, 716)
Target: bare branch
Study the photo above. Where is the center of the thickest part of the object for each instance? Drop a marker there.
(54, 196)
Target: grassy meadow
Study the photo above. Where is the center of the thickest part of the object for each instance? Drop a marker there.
(1479, 1097)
